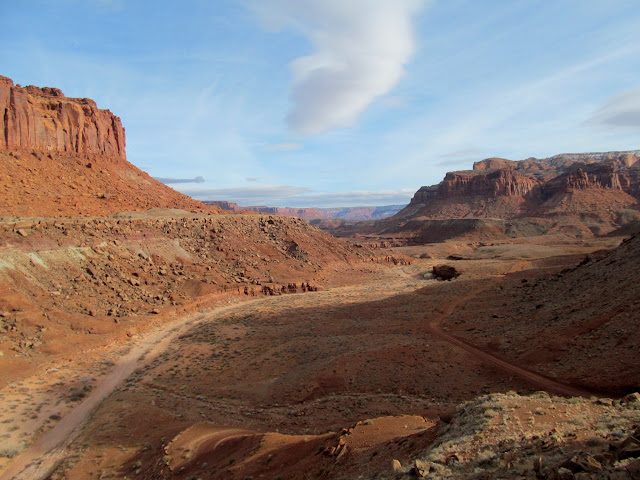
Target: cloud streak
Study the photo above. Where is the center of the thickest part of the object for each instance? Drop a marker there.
(283, 147)
(361, 47)
(247, 195)
(295, 196)
(168, 181)
(620, 111)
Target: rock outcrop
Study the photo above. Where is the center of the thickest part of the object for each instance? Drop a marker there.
(490, 183)
(500, 188)
(46, 120)
(65, 157)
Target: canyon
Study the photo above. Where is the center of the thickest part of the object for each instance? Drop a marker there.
(347, 213)
(146, 335)
(581, 195)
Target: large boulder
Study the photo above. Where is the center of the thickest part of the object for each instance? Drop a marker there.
(445, 272)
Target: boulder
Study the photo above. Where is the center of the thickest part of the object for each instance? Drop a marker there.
(445, 272)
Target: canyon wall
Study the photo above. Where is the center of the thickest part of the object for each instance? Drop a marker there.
(592, 192)
(44, 119)
(489, 183)
(537, 180)
(65, 157)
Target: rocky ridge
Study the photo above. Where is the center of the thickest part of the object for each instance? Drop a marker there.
(68, 277)
(534, 437)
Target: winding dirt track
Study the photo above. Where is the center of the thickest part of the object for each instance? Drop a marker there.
(435, 327)
(543, 382)
(41, 458)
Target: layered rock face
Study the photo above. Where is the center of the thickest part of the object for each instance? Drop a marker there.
(492, 183)
(502, 188)
(65, 157)
(46, 120)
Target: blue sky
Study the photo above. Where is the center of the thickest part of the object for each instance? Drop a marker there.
(332, 102)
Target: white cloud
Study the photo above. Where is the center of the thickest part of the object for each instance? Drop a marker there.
(283, 147)
(620, 111)
(245, 196)
(361, 47)
(294, 196)
(171, 180)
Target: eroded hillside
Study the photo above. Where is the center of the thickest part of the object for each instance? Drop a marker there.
(80, 281)
(581, 323)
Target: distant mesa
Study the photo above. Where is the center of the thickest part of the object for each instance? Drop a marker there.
(346, 213)
(582, 194)
(501, 188)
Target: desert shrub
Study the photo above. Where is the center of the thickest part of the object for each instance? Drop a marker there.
(9, 451)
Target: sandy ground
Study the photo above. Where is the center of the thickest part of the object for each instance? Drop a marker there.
(297, 365)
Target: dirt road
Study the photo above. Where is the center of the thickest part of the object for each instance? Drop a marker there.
(38, 460)
(435, 327)
(542, 382)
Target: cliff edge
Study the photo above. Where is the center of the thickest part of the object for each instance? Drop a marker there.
(65, 157)
(44, 119)
(596, 184)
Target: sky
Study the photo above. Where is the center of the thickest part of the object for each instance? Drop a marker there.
(326, 103)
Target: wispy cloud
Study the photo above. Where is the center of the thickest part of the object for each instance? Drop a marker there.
(294, 196)
(619, 111)
(262, 194)
(260, 179)
(357, 198)
(283, 147)
(361, 47)
(168, 181)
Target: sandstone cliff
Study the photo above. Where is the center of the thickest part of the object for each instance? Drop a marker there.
(492, 183)
(592, 184)
(44, 119)
(65, 157)
(580, 195)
